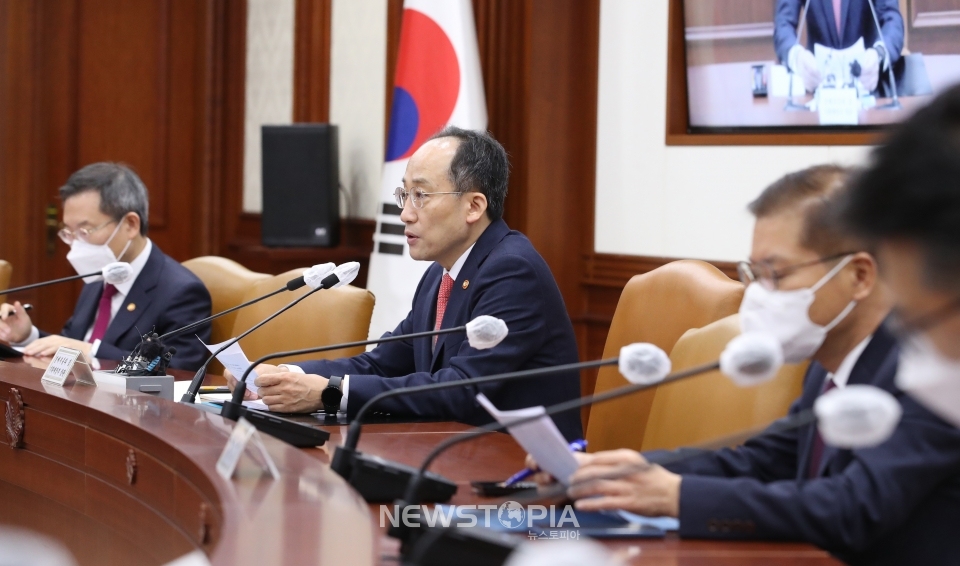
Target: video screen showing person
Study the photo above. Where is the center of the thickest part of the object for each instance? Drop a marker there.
(816, 63)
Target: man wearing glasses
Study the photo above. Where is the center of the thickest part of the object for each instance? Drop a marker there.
(105, 218)
(452, 202)
(813, 288)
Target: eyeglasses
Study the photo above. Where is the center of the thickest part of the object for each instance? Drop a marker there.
(769, 277)
(903, 329)
(416, 196)
(69, 236)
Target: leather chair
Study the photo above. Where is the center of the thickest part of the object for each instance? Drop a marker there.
(6, 270)
(656, 307)
(228, 283)
(330, 316)
(710, 406)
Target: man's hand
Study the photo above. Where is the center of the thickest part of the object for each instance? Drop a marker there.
(48, 346)
(643, 488)
(870, 69)
(806, 67)
(248, 395)
(14, 327)
(291, 392)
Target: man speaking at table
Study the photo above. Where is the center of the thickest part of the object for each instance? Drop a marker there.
(105, 218)
(838, 24)
(895, 503)
(452, 202)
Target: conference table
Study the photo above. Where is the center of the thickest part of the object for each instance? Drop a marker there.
(121, 477)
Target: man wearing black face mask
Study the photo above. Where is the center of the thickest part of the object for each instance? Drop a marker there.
(105, 220)
(812, 288)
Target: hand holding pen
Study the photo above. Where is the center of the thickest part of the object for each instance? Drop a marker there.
(575, 446)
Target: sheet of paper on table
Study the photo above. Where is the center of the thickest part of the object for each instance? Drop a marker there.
(234, 360)
(540, 438)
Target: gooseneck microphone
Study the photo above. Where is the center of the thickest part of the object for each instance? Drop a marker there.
(377, 479)
(314, 277)
(114, 273)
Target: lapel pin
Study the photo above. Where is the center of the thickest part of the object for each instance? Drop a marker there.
(466, 283)
(131, 307)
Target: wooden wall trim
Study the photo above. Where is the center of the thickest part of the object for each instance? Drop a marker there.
(614, 270)
(678, 119)
(311, 61)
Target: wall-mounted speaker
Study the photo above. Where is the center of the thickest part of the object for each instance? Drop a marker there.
(301, 179)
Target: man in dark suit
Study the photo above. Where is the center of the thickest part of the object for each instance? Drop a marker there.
(105, 218)
(838, 24)
(452, 200)
(895, 503)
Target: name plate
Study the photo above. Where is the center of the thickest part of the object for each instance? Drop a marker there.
(838, 106)
(60, 366)
(243, 433)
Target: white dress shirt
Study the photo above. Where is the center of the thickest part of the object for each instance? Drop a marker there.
(453, 272)
(123, 289)
(846, 366)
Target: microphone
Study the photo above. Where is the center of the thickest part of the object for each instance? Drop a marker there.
(313, 277)
(894, 104)
(314, 274)
(377, 479)
(114, 273)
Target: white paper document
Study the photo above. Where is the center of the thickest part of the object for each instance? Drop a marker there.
(540, 438)
(234, 360)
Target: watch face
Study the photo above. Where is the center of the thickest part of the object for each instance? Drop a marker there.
(331, 396)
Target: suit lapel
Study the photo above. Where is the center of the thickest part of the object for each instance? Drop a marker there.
(844, 15)
(454, 315)
(864, 373)
(815, 385)
(140, 297)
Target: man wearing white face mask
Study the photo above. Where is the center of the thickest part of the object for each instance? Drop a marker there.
(908, 203)
(105, 215)
(811, 287)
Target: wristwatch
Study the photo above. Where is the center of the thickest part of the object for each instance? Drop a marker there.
(332, 394)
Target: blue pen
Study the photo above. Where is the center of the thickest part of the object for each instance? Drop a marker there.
(575, 446)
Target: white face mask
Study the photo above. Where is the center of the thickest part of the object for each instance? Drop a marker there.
(87, 258)
(930, 377)
(785, 315)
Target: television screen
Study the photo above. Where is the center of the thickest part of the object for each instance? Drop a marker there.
(840, 64)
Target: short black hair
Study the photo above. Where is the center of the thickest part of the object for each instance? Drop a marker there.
(815, 190)
(479, 164)
(121, 190)
(911, 189)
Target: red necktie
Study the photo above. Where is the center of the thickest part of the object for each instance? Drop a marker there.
(816, 451)
(836, 17)
(446, 285)
(103, 313)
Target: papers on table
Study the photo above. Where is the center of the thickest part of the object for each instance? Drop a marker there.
(835, 64)
(540, 438)
(236, 361)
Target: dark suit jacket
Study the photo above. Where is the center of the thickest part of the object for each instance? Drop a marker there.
(822, 28)
(166, 296)
(507, 279)
(896, 503)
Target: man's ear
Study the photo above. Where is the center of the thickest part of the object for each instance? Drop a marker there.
(130, 225)
(476, 204)
(865, 274)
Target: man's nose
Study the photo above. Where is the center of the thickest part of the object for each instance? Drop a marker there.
(408, 215)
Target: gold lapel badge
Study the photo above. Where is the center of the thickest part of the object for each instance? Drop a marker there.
(466, 283)
(131, 307)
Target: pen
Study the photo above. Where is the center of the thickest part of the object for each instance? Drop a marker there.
(26, 307)
(214, 389)
(575, 446)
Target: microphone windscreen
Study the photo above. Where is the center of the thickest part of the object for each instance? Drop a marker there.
(643, 363)
(857, 416)
(346, 272)
(561, 553)
(313, 276)
(117, 272)
(751, 358)
(485, 332)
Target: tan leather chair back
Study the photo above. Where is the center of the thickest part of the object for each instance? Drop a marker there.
(331, 316)
(710, 406)
(6, 271)
(228, 283)
(656, 307)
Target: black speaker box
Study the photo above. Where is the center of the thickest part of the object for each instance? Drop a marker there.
(301, 178)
